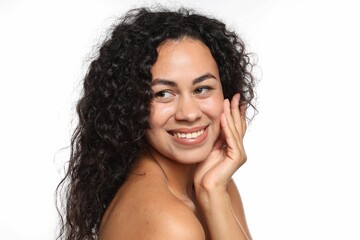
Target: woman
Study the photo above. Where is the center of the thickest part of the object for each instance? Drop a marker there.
(161, 124)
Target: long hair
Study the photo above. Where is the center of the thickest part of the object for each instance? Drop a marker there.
(114, 108)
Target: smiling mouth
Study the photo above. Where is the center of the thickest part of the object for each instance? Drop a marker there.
(190, 135)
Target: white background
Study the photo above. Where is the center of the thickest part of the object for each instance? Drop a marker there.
(302, 178)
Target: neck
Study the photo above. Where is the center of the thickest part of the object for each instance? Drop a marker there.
(180, 177)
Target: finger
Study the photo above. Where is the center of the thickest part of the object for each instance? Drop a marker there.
(234, 150)
(228, 115)
(230, 139)
(243, 118)
(230, 111)
(220, 141)
(235, 112)
(239, 120)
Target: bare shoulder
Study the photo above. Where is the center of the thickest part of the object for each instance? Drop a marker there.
(144, 208)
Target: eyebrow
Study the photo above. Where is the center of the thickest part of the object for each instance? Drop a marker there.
(160, 81)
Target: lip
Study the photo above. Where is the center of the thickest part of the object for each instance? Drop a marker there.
(189, 141)
(187, 130)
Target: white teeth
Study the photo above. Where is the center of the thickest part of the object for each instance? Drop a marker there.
(189, 135)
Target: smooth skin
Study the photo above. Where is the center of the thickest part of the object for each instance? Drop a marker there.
(182, 187)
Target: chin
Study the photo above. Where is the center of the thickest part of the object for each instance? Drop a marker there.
(190, 156)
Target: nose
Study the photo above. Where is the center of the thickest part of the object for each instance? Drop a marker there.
(187, 109)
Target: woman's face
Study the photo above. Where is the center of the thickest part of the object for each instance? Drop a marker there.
(188, 102)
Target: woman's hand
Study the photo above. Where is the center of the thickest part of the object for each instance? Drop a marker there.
(228, 153)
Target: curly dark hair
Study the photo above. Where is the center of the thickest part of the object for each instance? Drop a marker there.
(114, 107)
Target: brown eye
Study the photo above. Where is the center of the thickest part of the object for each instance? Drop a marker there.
(202, 90)
(164, 96)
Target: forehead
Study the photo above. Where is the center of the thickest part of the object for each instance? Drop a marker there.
(183, 58)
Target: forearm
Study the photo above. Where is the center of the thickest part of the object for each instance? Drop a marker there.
(220, 217)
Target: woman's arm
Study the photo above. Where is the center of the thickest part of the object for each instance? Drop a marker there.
(222, 221)
(213, 177)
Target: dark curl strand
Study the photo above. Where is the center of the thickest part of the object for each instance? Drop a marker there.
(114, 107)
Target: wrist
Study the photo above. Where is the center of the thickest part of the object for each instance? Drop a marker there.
(206, 189)
(209, 198)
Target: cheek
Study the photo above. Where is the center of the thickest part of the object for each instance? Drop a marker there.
(214, 107)
(160, 113)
